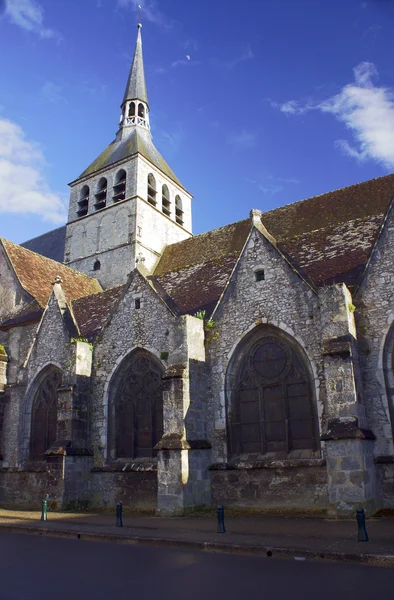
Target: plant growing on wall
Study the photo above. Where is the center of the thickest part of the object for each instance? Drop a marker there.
(2, 350)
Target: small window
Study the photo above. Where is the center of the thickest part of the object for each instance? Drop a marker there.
(165, 201)
(178, 210)
(131, 109)
(83, 202)
(152, 189)
(260, 275)
(97, 266)
(120, 186)
(101, 194)
(137, 303)
(141, 111)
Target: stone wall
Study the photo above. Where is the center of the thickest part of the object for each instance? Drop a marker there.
(285, 489)
(374, 317)
(135, 489)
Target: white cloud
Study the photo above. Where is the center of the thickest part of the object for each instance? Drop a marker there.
(29, 15)
(366, 109)
(242, 140)
(23, 188)
(246, 54)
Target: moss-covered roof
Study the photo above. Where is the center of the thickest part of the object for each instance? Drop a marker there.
(329, 238)
(139, 141)
(194, 272)
(92, 312)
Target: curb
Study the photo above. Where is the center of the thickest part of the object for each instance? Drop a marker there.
(380, 560)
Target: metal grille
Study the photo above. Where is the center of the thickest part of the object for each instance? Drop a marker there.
(44, 415)
(272, 407)
(138, 407)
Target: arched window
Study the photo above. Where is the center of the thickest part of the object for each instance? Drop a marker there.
(120, 186)
(83, 202)
(152, 189)
(131, 109)
(141, 111)
(101, 194)
(388, 369)
(271, 397)
(165, 201)
(97, 265)
(136, 407)
(178, 210)
(44, 413)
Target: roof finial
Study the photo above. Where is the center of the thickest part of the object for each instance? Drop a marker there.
(139, 24)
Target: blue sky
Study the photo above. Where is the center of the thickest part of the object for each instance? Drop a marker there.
(281, 99)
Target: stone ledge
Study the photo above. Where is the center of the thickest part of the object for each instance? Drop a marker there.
(174, 441)
(135, 466)
(67, 448)
(269, 464)
(27, 469)
(345, 429)
(337, 346)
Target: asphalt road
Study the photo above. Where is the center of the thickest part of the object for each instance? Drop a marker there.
(44, 568)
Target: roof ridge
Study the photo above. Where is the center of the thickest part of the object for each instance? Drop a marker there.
(347, 187)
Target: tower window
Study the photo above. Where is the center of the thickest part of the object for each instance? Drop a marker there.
(260, 275)
(178, 210)
(165, 201)
(120, 186)
(97, 266)
(83, 202)
(137, 303)
(131, 109)
(152, 189)
(101, 194)
(141, 111)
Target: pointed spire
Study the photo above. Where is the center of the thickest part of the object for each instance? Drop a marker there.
(136, 87)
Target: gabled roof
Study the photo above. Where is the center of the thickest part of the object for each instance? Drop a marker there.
(36, 274)
(136, 142)
(92, 312)
(195, 271)
(331, 236)
(328, 238)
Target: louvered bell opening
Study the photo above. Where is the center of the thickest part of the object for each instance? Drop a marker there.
(179, 216)
(152, 195)
(166, 204)
(120, 190)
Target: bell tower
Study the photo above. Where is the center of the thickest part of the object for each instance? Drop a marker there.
(128, 204)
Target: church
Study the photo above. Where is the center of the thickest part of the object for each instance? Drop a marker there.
(251, 366)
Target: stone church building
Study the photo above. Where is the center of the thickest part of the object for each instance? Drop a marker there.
(252, 365)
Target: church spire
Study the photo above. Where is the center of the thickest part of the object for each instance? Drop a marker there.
(135, 108)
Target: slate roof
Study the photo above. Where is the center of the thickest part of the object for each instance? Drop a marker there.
(136, 87)
(137, 142)
(195, 271)
(329, 237)
(50, 244)
(36, 274)
(91, 312)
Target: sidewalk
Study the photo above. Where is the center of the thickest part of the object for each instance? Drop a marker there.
(258, 535)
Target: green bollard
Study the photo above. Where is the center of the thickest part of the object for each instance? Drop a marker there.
(221, 527)
(119, 521)
(362, 535)
(44, 510)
